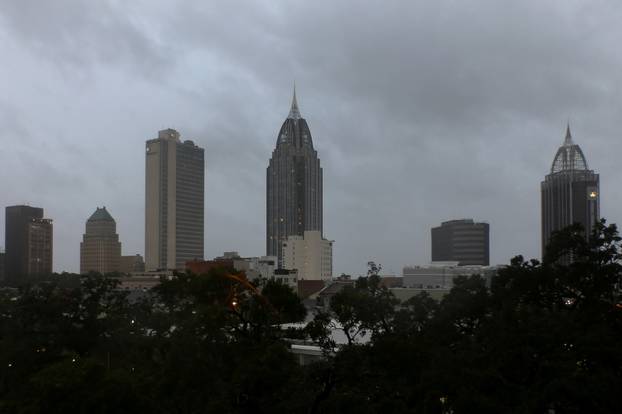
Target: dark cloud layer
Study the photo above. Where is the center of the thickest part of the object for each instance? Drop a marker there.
(420, 111)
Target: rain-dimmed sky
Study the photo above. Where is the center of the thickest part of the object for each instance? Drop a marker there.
(420, 111)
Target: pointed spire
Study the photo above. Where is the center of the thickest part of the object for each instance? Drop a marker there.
(568, 139)
(294, 112)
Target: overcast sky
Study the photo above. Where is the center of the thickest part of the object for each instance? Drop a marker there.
(420, 111)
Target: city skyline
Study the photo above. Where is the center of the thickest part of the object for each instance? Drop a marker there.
(404, 149)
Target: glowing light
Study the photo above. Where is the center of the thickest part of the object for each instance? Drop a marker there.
(593, 194)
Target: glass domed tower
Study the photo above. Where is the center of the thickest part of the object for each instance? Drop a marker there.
(570, 193)
(294, 184)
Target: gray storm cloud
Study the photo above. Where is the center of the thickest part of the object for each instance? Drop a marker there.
(420, 111)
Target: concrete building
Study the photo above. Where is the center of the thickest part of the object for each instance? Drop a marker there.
(286, 277)
(570, 193)
(100, 249)
(254, 267)
(294, 185)
(28, 242)
(310, 254)
(132, 263)
(463, 241)
(440, 275)
(174, 202)
(257, 267)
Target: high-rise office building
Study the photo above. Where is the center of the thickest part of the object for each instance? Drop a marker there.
(294, 184)
(28, 242)
(570, 193)
(100, 249)
(174, 202)
(462, 241)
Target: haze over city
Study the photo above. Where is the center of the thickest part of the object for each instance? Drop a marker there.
(420, 113)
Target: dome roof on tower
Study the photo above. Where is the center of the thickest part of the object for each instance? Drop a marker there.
(569, 156)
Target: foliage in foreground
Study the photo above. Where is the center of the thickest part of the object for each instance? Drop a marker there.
(539, 337)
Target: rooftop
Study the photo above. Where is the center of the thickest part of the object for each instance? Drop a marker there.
(101, 214)
(569, 156)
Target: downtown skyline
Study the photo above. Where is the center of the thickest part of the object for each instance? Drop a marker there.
(400, 154)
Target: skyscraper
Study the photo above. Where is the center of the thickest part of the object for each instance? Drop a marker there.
(462, 241)
(174, 202)
(100, 249)
(294, 184)
(28, 242)
(570, 193)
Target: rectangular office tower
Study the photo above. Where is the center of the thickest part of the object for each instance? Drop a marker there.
(462, 241)
(28, 242)
(174, 202)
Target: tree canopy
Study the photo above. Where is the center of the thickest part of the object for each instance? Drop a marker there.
(537, 337)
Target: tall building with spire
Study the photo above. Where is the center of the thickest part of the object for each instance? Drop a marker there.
(100, 249)
(294, 184)
(570, 193)
(174, 202)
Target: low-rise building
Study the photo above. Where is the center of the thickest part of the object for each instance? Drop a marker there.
(391, 281)
(132, 263)
(308, 288)
(325, 295)
(286, 277)
(199, 267)
(405, 293)
(143, 280)
(440, 275)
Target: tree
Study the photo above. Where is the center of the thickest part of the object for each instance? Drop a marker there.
(544, 336)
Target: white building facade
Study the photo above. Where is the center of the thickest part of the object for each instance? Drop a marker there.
(310, 254)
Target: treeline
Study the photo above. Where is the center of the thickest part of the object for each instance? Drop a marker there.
(542, 338)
